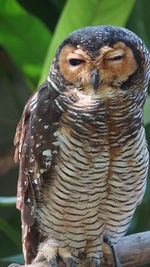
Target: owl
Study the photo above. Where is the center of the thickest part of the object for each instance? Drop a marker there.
(82, 148)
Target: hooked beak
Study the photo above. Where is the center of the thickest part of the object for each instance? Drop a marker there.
(95, 79)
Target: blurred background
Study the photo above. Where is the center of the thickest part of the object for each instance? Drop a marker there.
(30, 32)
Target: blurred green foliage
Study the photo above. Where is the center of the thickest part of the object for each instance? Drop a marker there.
(30, 32)
(24, 37)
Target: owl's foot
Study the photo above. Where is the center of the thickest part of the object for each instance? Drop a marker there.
(53, 255)
(109, 253)
(67, 258)
(93, 262)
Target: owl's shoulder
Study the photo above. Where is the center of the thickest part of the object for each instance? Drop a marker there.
(40, 112)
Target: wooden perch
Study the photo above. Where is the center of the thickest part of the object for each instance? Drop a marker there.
(132, 250)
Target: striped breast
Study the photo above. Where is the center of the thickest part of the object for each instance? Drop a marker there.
(99, 175)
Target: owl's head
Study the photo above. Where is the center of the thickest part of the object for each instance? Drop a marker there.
(93, 59)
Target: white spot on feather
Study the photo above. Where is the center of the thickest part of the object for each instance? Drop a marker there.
(56, 143)
(26, 172)
(53, 84)
(55, 123)
(47, 153)
(47, 164)
(31, 160)
(37, 145)
(58, 105)
(42, 170)
(33, 209)
(46, 126)
(56, 134)
(33, 107)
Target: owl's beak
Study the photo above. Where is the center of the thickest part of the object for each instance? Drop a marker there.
(94, 79)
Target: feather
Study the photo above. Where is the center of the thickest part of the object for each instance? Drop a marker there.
(35, 155)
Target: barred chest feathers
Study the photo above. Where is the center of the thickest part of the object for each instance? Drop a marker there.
(99, 174)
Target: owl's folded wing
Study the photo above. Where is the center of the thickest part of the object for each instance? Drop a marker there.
(35, 147)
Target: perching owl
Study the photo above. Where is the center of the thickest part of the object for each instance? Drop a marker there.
(82, 148)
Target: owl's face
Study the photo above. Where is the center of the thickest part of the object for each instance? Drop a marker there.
(95, 59)
(111, 66)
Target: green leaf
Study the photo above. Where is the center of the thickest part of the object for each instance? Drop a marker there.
(7, 201)
(147, 111)
(92, 12)
(139, 20)
(9, 231)
(24, 37)
(114, 12)
(48, 10)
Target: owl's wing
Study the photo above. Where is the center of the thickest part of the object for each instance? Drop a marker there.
(35, 149)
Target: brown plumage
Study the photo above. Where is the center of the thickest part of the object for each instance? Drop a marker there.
(82, 148)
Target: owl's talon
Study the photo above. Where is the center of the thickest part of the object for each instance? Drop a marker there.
(53, 254)
(70, 262)
(95, 262)
(110, 253)
(116, 259)
(53, 262)
(92, 262)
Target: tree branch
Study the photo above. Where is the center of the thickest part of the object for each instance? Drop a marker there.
(132, 250)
